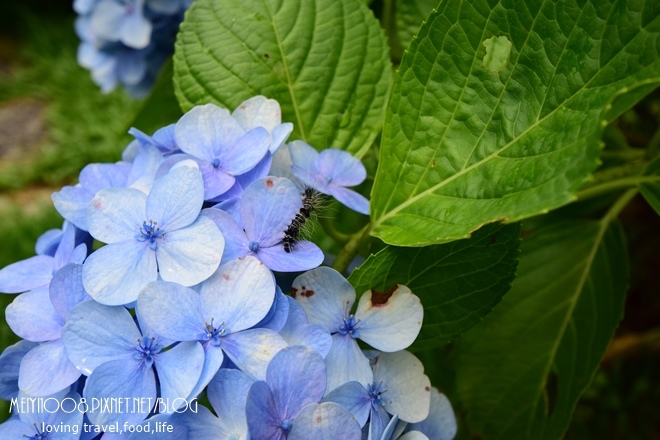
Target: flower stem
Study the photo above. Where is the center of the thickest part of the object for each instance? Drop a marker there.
(614, 185)
(350, 249)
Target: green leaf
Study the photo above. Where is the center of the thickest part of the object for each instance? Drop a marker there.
(650, 185)
(161, 107)
(521, 371)
(325, 61)
(458, 283)
(464, 146)
(409, 17)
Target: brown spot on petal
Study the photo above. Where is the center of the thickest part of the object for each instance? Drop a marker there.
(294, 292)
(381, 298)
(270, 183)
(319, 419)
(307, 293)
(427, 388)
(98, 204)
(225, 276)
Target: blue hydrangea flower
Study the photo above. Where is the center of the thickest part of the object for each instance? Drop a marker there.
(121, 361)
(399, 388)
(260, 111)
(220, 316)
(39, 316)
(10, 364)
(266, 210)
(163, 139)
(121, 21)
(330, 172)
(159, 235)
(36, 272)
(35, 425)
(295, 378)
(220, 145)
(388, 321)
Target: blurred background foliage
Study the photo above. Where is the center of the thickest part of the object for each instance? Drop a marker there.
(54, 120)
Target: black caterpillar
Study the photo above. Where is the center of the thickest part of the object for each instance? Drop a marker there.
(310, 199)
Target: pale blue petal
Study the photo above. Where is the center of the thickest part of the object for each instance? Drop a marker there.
(167, 7)
(314, 336)
(27, 274)
(213, 358)
(203, 425)
(106, 20)
(80, 252)
(279, 135)
(305, 255)
(378, 423)
(179, 370)
(295, 319)
(120, 379)
(228, 393)
(172, 311)
(281, 166)
(46, 370)
(47, 242)
(297, 377)
(176, 198)
(408, 388)
(131, 67)
(10, 362)
(389, 321)
(258, 172)
(116, 214)
(355, 398)
(14, 429)
(264, 419)
(267, 208)
(190, 255)
(252, 350)
(97, 176)
(246, 152)
(144, 169)
(66, 289)
(325, 295)
(304, 159)
(95, 334)
(199, 131)
(346, 362)
(216, 181)
(235, 239)
(258, 111)
(33, 317)
(441, 422)
(115, 274)
(357, 202)
(416, 435)
(239, 294)
(67, 245)
(278, 313)
(344, 168)
(325, 421)
(71, 202)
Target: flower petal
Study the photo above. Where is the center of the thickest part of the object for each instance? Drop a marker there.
(267, 208)
(213, 358)
(33, 317)
(171, 310)
(303, 162)
(344, 168)
(228, 393)
(389, 321)
(325, 421)
(66, 289)
(178, 372)
(441, 422)
(27, 274)
(235, 238)
(246, 152)
(10, 362)
(95, 334)
(263, 417)
(190, 255)
(115, 273)
(203, 129)
(354, 397)
(240, 294)
(325, 295)
(120, 379)
(258, 111)
(357, 202)
(346, 362)
(305, 255)
(46, 369)
(176, 198)
(314, 336)
(251, 350)
(278, 313)
(116, 214)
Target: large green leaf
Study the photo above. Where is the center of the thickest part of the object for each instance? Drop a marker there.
(458, 283)
(521, 371)
(470, 139)
(409, 17)
(325, 61)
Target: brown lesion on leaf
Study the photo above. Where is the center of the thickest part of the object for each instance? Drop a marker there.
(381, 298)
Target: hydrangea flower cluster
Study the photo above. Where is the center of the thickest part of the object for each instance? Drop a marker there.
(125, 42)
(181, 298)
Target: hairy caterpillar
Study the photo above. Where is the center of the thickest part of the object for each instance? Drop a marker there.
(311, 199)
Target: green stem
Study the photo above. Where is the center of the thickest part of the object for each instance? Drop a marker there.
(618, 206)
(350, 249)
(625, 154)
(614, 185)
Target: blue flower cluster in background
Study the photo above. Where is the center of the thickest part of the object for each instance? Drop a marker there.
(160, 286)
(125, 42)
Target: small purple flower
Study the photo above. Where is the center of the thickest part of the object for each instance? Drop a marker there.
(330, 172)
(266, 210)
(388, 321)
(220, 145)
(159, 235)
